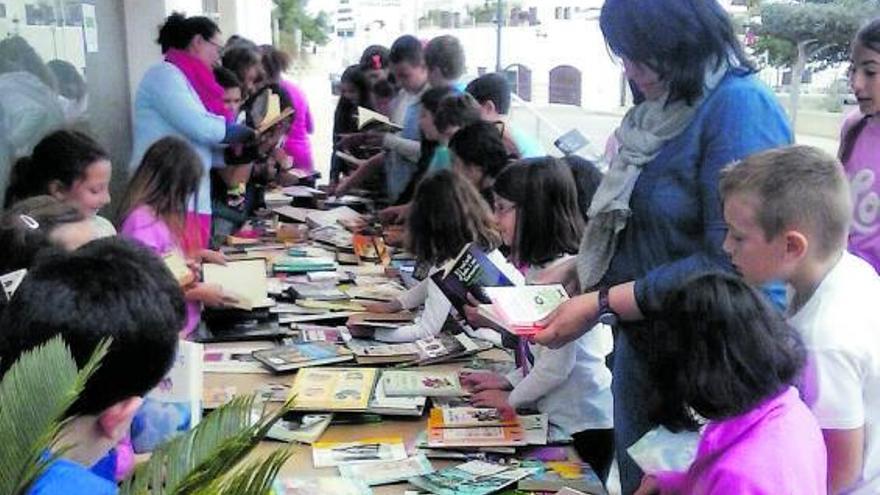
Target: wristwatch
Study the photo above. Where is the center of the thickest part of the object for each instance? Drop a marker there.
(607, 315)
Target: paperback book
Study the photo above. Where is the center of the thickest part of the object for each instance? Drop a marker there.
(469, 273)
(320, 333)
(333, 389)
(293, 356)
(556, 475)
(471, 478)
(520, 309)
(383, 473)
(380, 403)
(446, 347)
(465, 417)
(337, 485)
(245, 280)
(476, 436)
(299, 427)
(331, 454)
(235, 357)
(409, 383)
(368, 351)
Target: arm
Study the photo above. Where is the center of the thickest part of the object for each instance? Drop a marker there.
(407, 148)
(361, 174)
(845, 458)
(175, 102)
(552, 368)
(429, 324)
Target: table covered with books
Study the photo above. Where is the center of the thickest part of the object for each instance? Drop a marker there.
(363, 416)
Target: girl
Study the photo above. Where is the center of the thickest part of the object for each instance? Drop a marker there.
(153, 212)
(73, 168)
(244, 61)
(354, 91)
(40, 223)
(724, 356)
(860, 144)
(478, 153)
(536, 208)
(435, 236)
(442, 118)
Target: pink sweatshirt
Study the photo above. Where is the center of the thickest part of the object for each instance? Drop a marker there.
(774, 449)
(297, 145)
(863, 170)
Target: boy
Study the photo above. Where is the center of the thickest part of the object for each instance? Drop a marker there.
(444, 59)
(788, 214)
(109, 288)
(492, 92)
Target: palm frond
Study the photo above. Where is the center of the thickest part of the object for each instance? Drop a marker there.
(34, 395)
(206, 456)
(255, 478)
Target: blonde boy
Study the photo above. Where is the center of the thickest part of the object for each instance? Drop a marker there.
(788, 213)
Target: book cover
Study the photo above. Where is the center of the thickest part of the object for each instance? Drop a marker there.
(446, 347)
(380, 403)
(409, 383)
(11, 281)
(369, 120)
(176, 263)
(536, 428)
(234, 357)
(245, 279)
(298, 427)
(333, 235)
(464, 417)
(343, 305)
(337, 485)
(294, 356)
(333, 389)
(469, 273)
(175, 405)
(368, 351)
(331, 454)
(383, 473)
(320, 333)
(318, 291)
(331, 217)
(383, 291)
(471, 478)
(476, 436)
(557, 475)
(297, 264)
(371, 248)
(391, 319)
(521, 308)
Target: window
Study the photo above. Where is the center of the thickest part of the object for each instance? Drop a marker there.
(2, 11)
(210, 6)
(40, 14)
(558, 13)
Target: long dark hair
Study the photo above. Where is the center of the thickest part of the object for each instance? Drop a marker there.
(345, 116)
(481, 144)
(62, 156)
(677, 39)
(719, 351)
(179, 30)
(167, 177)
(869, 37)
(447, 213)
(548, 220)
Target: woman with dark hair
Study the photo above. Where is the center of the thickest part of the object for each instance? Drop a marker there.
(724, 357)
(180, 97)
(656, 218)
(354, 91)
(860, 144)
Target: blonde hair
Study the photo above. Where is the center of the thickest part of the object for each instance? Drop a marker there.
(797, 187)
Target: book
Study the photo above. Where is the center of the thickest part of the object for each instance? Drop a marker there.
(409, 383)
(344, 305)
(337, 485)
(303, 192)
(331, 454)
(476, 436)
(371, 248)
(369, 120)
(446, 347)
(519, 309)
(292, 212)
(293, 356)
(297, 264)
(381, 320)
(274, 115)
(384, 291)
(368, 351)
(471, 478)
(320, 333)
(556, 475)
(234, 357)
(11, 281)
(380, 403)
(536, 428)
(317, 291)
(469, 273)
(465, 417)
(176, 263)
(383, 473)
(245, 279)
(326, 317)
(331, 217)
(299, 427)
(173, 406)
(332, 235)
(333, 389)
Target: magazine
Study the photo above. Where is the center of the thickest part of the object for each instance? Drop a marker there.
(293, 356)
(410, 383)
(331, 454)
(333, 389)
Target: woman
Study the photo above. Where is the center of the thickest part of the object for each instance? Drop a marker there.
(860, 145)
(180, 97)
(656, 218)
(297, 145)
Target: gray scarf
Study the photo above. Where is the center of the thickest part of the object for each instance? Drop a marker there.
(642, 133)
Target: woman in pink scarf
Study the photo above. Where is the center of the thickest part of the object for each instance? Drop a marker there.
(180, 97)
(725, 357)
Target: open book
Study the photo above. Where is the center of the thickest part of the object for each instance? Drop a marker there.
(519, 309)
(245, 280)
(368, 120)
(469, 273)
(274, 115)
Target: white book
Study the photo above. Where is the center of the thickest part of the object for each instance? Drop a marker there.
(383, 473)
(411, 383)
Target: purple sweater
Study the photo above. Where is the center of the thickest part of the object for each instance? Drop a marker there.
(776, 448)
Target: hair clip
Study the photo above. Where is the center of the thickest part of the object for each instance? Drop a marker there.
(29, 222)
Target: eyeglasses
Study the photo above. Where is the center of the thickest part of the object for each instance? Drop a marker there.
(502, 209)
(218, 45)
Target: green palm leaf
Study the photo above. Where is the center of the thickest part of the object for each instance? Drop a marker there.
(34, 395)
(204, 459)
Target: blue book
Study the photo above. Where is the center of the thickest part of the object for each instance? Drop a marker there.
(467, 274)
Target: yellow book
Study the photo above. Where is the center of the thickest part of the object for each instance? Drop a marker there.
(333, 389)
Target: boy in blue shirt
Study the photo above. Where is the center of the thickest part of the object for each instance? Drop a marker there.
(109, 288)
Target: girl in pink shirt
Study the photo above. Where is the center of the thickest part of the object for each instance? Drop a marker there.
(154, 213)
(727, 358)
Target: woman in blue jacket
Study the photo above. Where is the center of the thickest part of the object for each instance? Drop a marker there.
(656, 219)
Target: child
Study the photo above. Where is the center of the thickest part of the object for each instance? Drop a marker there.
(382, 96)
(788, 213)
(447, 214)
(725, 356)
(374, 63)
(478, 153)
(233, 176)
(444, 59)
(142, 318)
(860, 145)
(492, 92)
(71, 166)
(153, 212)
(354, 91)
(441, 121)
(536, 208)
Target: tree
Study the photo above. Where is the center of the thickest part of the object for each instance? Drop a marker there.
(814, 33)
(292, 16)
